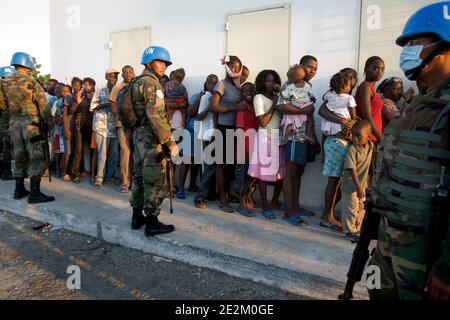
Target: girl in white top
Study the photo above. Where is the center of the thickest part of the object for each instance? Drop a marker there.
(268, 160)
(339, 102)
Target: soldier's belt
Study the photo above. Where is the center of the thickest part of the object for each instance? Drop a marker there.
(401, 227)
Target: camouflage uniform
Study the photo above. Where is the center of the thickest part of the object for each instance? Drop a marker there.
(5, 139)
(24, 95)
(149, 177)
(415, 147)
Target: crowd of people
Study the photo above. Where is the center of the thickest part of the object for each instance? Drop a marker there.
(237, 137)
(88, 138)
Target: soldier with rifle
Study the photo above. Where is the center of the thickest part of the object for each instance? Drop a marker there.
(411, 185)
(153, 144)
(30, 117)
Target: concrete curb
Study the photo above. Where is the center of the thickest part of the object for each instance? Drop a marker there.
(116, 230)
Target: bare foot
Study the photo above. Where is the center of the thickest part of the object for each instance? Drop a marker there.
(331, 220)
(249, 202)
(335, 222)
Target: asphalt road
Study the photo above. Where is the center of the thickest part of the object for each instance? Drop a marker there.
(34, 263)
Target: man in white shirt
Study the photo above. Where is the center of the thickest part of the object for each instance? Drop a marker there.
(104, 127)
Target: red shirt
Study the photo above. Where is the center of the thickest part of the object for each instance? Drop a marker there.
(246, 120)
(376, 108)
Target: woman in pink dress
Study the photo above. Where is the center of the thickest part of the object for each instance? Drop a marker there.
(268, 161)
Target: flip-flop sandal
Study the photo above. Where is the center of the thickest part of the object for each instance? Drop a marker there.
(226, 207)
(296, 220)
(200, 203)
(268, 215)
(181, 195)
(330, 226)
(246, 212)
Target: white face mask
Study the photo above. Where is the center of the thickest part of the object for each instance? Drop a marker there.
(410, 57)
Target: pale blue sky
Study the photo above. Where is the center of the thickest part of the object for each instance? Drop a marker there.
(25, 27)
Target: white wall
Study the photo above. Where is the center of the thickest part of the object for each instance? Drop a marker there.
(194, 33)
(380, 41)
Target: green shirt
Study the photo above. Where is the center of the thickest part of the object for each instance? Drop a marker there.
(360, 159)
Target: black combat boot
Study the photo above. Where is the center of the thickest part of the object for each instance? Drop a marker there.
(7, 174)
(138, 219)
(20, 191)
(154, 227)
(36, 196)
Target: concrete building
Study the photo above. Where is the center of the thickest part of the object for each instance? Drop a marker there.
(87, 37)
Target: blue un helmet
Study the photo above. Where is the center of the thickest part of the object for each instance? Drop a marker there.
(156, 53)
(431, 20)
(6, 71)
(22, 59)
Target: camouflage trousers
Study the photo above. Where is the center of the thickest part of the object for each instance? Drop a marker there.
(28, 156)
(5, 138)
(401, 257)
(149, 177)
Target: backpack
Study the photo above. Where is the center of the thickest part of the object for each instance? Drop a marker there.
(125, 106)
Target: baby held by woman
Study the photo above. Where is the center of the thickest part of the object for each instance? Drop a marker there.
(299, 93)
